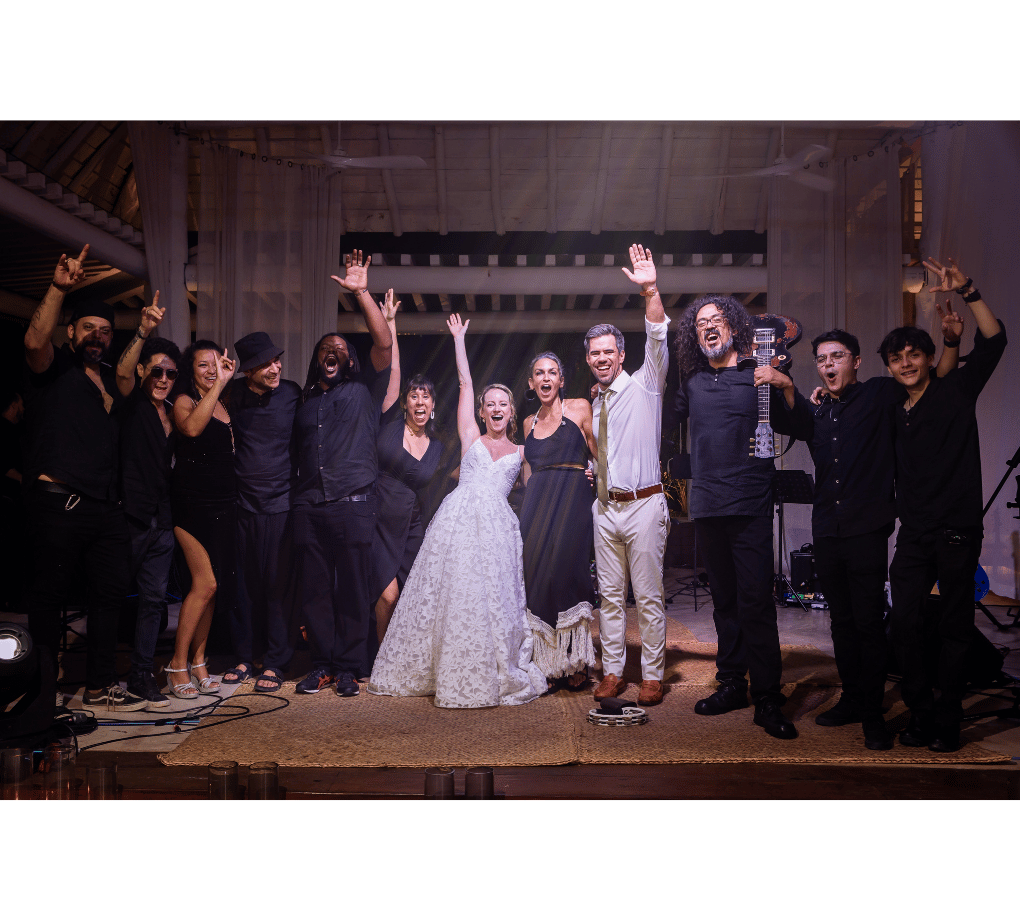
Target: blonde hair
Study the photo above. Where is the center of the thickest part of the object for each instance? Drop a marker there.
(511, 428)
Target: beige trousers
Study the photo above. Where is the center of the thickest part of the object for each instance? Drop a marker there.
(631, 536)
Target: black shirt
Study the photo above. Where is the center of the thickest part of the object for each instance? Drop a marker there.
(851, 443)
(938, 459)
(70, 436)
(10, 457)
(723, 407)
(145, 452)
(335, 433)
(264, 452)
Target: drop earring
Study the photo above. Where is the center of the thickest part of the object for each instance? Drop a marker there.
(433, 415)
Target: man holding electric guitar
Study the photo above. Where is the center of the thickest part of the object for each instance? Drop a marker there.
(731, 497)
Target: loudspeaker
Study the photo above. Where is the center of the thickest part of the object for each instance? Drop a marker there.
(802, 570)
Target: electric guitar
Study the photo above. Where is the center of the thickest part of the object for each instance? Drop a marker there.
(771, 332)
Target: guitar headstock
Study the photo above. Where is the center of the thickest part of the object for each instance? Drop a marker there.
(763, 444)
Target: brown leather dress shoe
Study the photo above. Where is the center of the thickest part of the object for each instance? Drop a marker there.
(610, 686)
(651, 693)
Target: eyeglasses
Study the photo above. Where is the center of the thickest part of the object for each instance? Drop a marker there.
(834, 356)
(157, 373)
(717, 320)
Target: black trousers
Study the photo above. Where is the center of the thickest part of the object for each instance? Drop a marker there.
(738, 556)
(951, 558)
(334, 544)
(851, 573)
(261, 624)
(88, 541)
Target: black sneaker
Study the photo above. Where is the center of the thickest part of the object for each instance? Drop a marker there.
(346, 685)
(316, 679)
(143, 684)
(843, 713)
(732, 694)
(114, 698)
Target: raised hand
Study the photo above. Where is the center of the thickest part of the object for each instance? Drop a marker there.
(70, 271)
(356, 279)
(152, 315)
(457, 328)
(952, 323)
(950, 276)
(225, 369)
(644, 268)
(389, 307)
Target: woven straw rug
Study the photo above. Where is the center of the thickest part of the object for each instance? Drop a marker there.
(323, 730)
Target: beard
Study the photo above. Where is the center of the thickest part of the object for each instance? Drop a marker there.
(343, 365)
(92, 349)
(718, 350)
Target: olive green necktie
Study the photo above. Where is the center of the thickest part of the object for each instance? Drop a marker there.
(603, 477)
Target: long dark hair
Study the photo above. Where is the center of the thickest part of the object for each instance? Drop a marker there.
(351, 372)
(689, 357)
(185, 384)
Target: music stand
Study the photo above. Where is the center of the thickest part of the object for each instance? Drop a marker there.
(797, 488)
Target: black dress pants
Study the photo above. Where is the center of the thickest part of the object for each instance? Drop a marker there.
(738, 559)
(334, 544)
(851, 573)
(87, 539)
(951, 558)
(261, 626)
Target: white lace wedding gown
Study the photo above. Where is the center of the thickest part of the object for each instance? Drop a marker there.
(460, 628)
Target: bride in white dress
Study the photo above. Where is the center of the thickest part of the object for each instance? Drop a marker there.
(460, 630)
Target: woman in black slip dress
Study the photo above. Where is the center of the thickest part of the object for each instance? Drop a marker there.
(556, 527)
(409, 459)
(203, 500)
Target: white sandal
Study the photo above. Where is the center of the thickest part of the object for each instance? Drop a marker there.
(186, 691)
(206, 684)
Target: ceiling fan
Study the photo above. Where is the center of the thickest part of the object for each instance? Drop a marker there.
(338, 160)
(795, 168)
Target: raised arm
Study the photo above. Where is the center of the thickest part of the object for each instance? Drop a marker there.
(39, 335)
(356, 281)
(467, 427)
(389, 312)
(952, 332)
(644, 274)
(191, 417)
(152, 316)
(951, 278)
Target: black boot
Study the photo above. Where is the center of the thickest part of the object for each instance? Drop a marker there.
(920, 730)
(732, 694)
(843, 713)
(877, 736)
(769, 716)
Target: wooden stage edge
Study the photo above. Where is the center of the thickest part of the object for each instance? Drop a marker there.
(142, 777)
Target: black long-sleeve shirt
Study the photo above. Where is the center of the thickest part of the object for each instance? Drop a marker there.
(723, 407)
(145, 452)
(851, 444)
(938, 458)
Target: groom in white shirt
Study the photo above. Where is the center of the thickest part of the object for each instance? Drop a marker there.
(630, 514)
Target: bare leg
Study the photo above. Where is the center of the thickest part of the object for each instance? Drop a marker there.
(196, 609)
(384, 608)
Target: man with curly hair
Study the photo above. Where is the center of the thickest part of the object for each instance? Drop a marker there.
(731, 502)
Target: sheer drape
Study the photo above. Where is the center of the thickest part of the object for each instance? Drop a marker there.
(268, 240)
(160, 160)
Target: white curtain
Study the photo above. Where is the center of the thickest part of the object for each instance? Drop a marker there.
(834, 261)
(971, 211)
(160, 160)
(268, 241)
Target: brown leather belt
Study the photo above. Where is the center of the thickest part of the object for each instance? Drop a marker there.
(634, 496)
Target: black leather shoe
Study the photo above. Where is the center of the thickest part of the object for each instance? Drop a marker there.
(843, 713)
(918, 733)
(732, 694)
(769, 716)
(945, 742)
(877, 736)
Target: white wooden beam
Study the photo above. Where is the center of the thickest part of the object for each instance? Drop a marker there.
(441, 180)
(662, 194)
(387, 178)
(761, 219)
(718, 224)
(495, 173)
(599, 202)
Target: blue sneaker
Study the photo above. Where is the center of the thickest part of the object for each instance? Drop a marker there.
(316, 679)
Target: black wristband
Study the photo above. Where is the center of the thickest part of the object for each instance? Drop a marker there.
(966, 286)
(949, 344)
(972, 296)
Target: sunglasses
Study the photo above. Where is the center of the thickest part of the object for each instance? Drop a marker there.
(157, 373)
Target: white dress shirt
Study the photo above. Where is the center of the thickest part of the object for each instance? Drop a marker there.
(635, 416)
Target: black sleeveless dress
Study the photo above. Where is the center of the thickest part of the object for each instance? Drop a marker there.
(399, 524)
(203, 501)
(557, 530)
